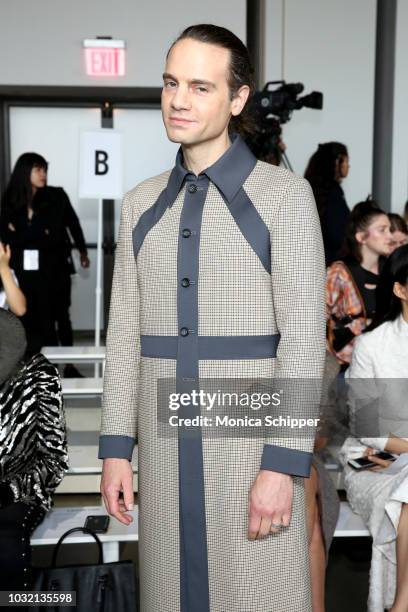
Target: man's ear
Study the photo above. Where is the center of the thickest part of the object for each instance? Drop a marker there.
(239, 100)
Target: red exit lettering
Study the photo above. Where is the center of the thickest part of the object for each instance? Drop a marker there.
(105, 62)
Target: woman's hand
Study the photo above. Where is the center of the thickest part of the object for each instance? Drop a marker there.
(381, 463)
(14, 296)
(84, 260)
(5, 255)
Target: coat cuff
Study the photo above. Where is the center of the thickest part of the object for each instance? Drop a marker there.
(116, 447)
(286, 460)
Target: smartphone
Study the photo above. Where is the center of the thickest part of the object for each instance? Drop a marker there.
(98, 523)
(363, 463)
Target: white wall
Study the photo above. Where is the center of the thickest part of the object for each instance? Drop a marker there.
(43, 40)
(399, 193)
(328, 46)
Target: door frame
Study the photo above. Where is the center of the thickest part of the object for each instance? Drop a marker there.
(107, 99)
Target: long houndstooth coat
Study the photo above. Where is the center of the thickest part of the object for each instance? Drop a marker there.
(220, 275)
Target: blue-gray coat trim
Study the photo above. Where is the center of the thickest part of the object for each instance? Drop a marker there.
(148, 219)
(119, 447)
(286, 460)
(194, 587)
(252, 227)
(232, 169)
(228, 173)
(213, 347)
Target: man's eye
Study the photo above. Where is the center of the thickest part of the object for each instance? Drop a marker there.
(202, 89)
(170, 84)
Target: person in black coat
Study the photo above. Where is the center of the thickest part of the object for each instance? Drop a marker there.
(33, 452)
(326, 169)
(38, 222)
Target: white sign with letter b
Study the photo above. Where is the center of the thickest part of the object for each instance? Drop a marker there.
(100, 165)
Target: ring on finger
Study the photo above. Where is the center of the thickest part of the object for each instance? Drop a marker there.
(275, 526)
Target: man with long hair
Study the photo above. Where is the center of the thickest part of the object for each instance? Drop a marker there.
(219, 273)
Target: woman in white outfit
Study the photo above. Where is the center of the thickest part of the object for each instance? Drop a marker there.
(380, 494)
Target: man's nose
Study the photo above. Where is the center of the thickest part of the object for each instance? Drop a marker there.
(181, 98)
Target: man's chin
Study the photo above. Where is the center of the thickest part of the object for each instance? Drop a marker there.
(180, 136)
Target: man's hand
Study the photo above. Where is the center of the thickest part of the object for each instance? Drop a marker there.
(117, 477)
(270, 501)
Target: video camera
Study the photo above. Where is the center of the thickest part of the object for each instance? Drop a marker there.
(282, 101)
(271, 108)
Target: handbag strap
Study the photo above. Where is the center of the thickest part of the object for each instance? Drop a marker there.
(68, 533)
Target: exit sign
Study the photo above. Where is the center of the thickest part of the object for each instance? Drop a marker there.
(105, 57)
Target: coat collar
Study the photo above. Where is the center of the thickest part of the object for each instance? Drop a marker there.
(228, 173)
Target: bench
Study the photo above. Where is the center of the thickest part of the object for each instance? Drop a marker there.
(81, 386)
(60, 520)
(349, 524)
(74, 354)
(85, 468)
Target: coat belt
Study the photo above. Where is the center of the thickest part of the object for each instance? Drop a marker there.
(213, 347)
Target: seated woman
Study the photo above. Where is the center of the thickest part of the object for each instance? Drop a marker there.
(11, 295)
(33, 450)
(351, 282)
(378, 379)
(399, 230)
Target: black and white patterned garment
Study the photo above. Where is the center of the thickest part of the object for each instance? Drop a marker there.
(33, 447)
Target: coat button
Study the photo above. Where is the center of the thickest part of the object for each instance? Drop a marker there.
(184, 331)
(185, 282)
(192, 188)
(186, 232)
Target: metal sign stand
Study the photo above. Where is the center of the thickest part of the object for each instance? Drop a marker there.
(98, 288)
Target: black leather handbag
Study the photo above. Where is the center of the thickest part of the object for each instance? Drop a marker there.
(104, 587)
